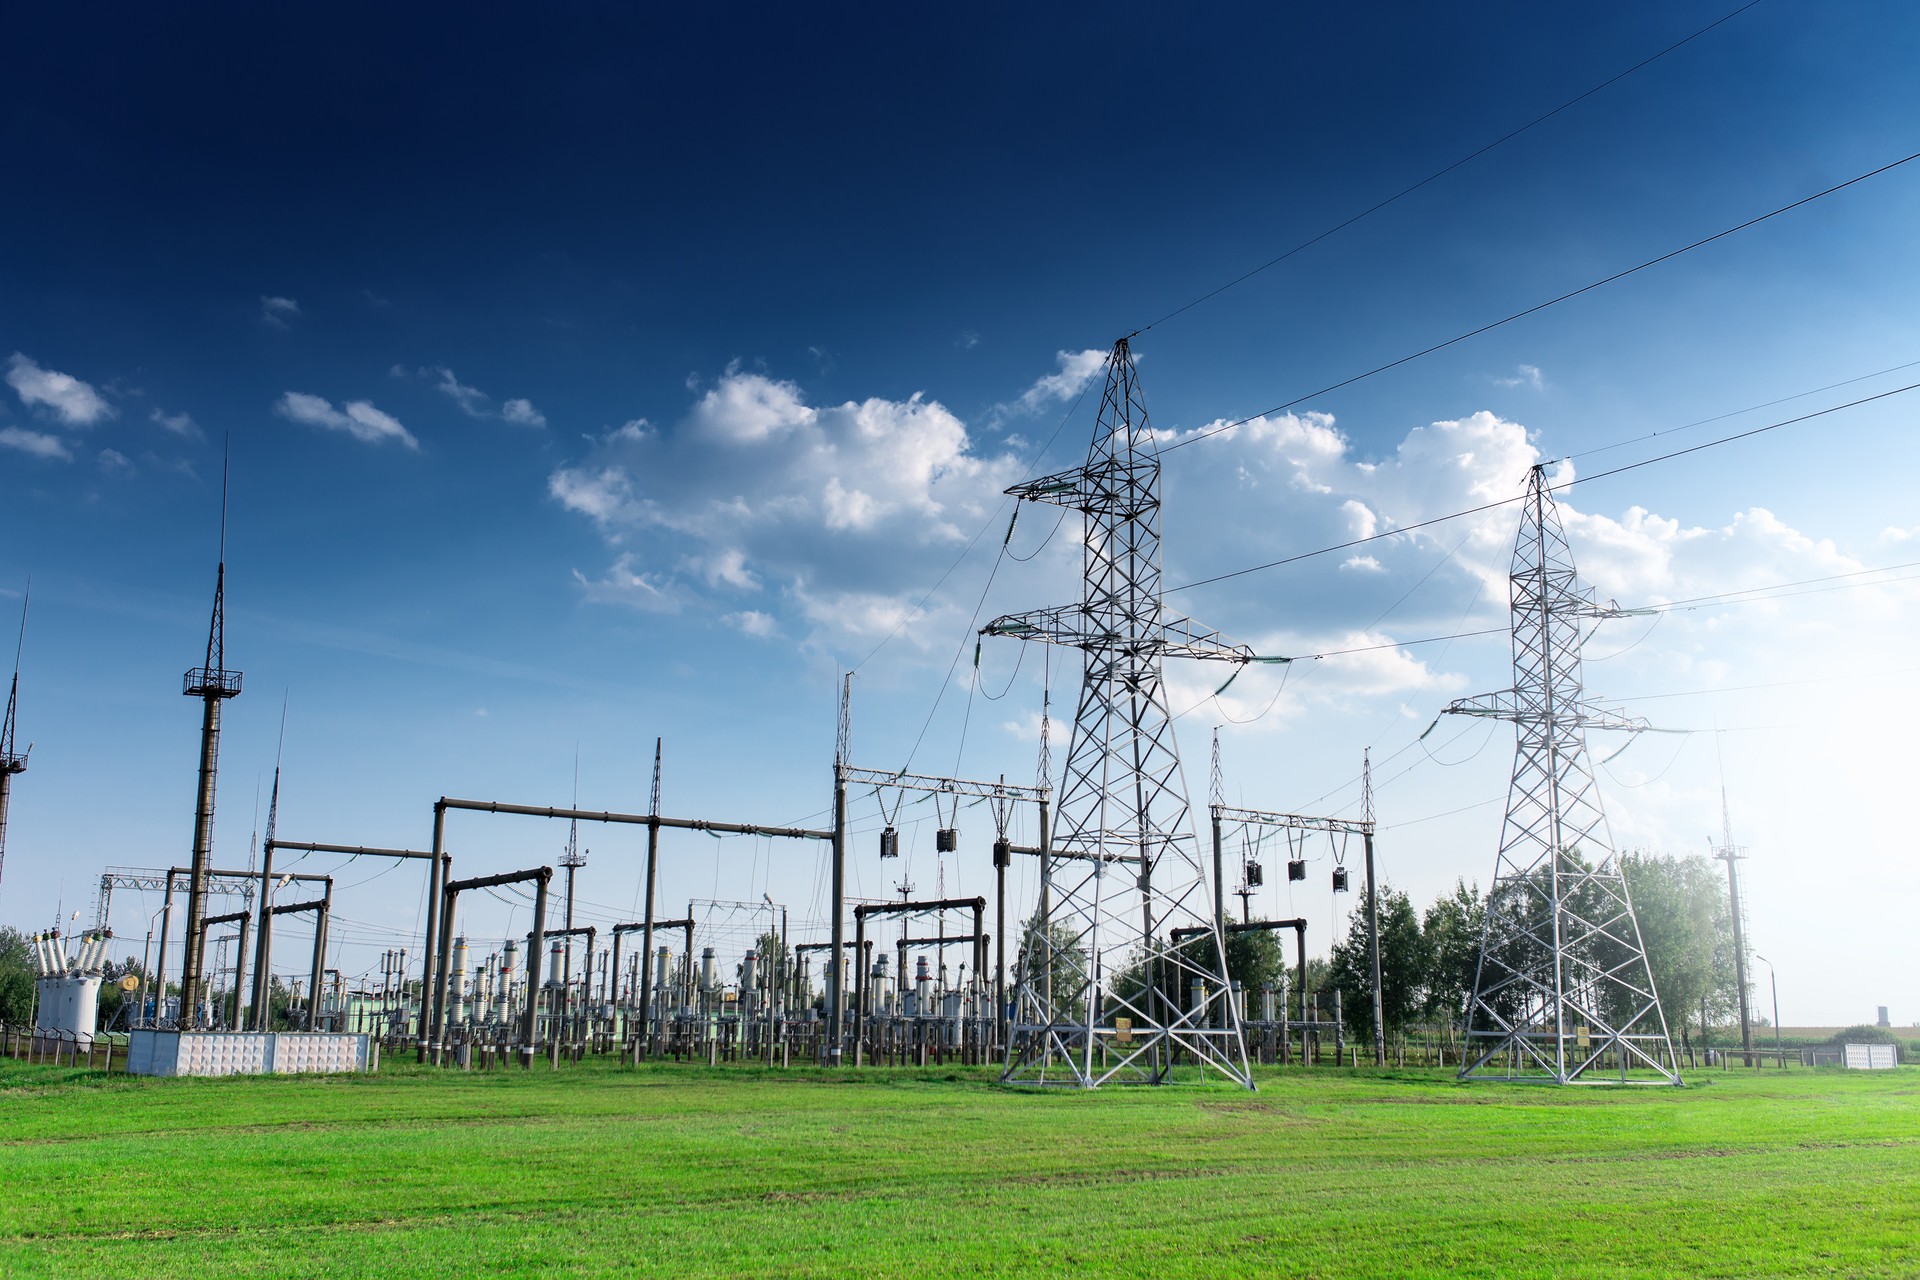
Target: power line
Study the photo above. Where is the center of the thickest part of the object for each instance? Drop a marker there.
(1210, 432)
(1441, 173)
(1507, 502)
(1722, 417)
(1697, 602)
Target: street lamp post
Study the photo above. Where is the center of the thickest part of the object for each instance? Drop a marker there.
(1774, 979)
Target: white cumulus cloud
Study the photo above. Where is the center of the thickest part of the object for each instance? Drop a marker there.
(357, 418)
(73, 402)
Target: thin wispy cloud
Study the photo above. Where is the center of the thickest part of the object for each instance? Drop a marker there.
(474, 402)
(180, 424)
(72, 402)
(1526, 375)
(277, 312)
(37, 444)
(358, 418)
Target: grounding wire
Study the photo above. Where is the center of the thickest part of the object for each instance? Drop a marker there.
(1209, 432)
(1441, 173)
(1556, 488)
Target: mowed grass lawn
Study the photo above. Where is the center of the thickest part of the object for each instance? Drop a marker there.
(682, 1171)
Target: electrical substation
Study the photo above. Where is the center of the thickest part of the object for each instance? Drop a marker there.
(1112, 970)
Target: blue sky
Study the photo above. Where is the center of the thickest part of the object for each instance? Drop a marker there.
(592, 377)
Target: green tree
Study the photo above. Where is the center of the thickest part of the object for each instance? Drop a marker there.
(16, 977)
(1405, 961)
(1686, 926)
(1452, 927)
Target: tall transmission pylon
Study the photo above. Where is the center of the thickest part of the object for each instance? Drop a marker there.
(1102, 992)
(1563, 979)
(12, 761)
(213, 684)
(1732, 854)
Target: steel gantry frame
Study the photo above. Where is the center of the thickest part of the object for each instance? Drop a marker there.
(1003, 795)
(1123, 867)
(1362, 827)
(429, 1045)
(1563, 977)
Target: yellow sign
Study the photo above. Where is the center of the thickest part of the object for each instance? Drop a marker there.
(1580, 1037)
(1123, 1030)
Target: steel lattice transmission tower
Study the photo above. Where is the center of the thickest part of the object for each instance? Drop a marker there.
(213, 684)
(12, 761)
(1563, 976)
(1102, 994)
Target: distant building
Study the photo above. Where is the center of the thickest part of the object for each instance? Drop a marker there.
(1883, 1017)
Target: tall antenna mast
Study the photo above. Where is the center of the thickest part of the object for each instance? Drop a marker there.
(213, 684)
(11, 761)
(1563, 984)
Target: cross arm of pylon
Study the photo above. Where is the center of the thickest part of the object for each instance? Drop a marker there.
(1076, 626)
(1115, 485)
(1507, 705)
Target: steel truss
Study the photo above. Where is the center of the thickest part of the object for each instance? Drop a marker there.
(1563, 979)
(1102, 993)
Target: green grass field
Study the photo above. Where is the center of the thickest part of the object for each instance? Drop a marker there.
(679, 1171)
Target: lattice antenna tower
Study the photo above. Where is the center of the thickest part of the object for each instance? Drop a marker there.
(12, 761)
(1102, 994)
(213, 684)
(1563, 980)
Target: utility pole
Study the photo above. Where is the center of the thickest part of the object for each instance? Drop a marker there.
(1731, 854)
(1774, 978)
(1373, 909)
(646, 921)
(572, 858)
(213, 684)
(11, 761)
(836, 981)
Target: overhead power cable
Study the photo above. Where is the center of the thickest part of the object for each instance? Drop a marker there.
(1441, 173)
(1507, 502)
(1748, 595)
(1209, 432)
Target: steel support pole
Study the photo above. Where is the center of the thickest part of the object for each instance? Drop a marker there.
(436, 882)
(530, 1025)
(321, 919)
(646, 940)
(263, 944)
(1739, 957)
(193, 960)
(160, 960)
(1373, 942)
(1219, 893)
(433, 1003)
(1000, 861)
(240, 975)
(859, 984)
(836, 979)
